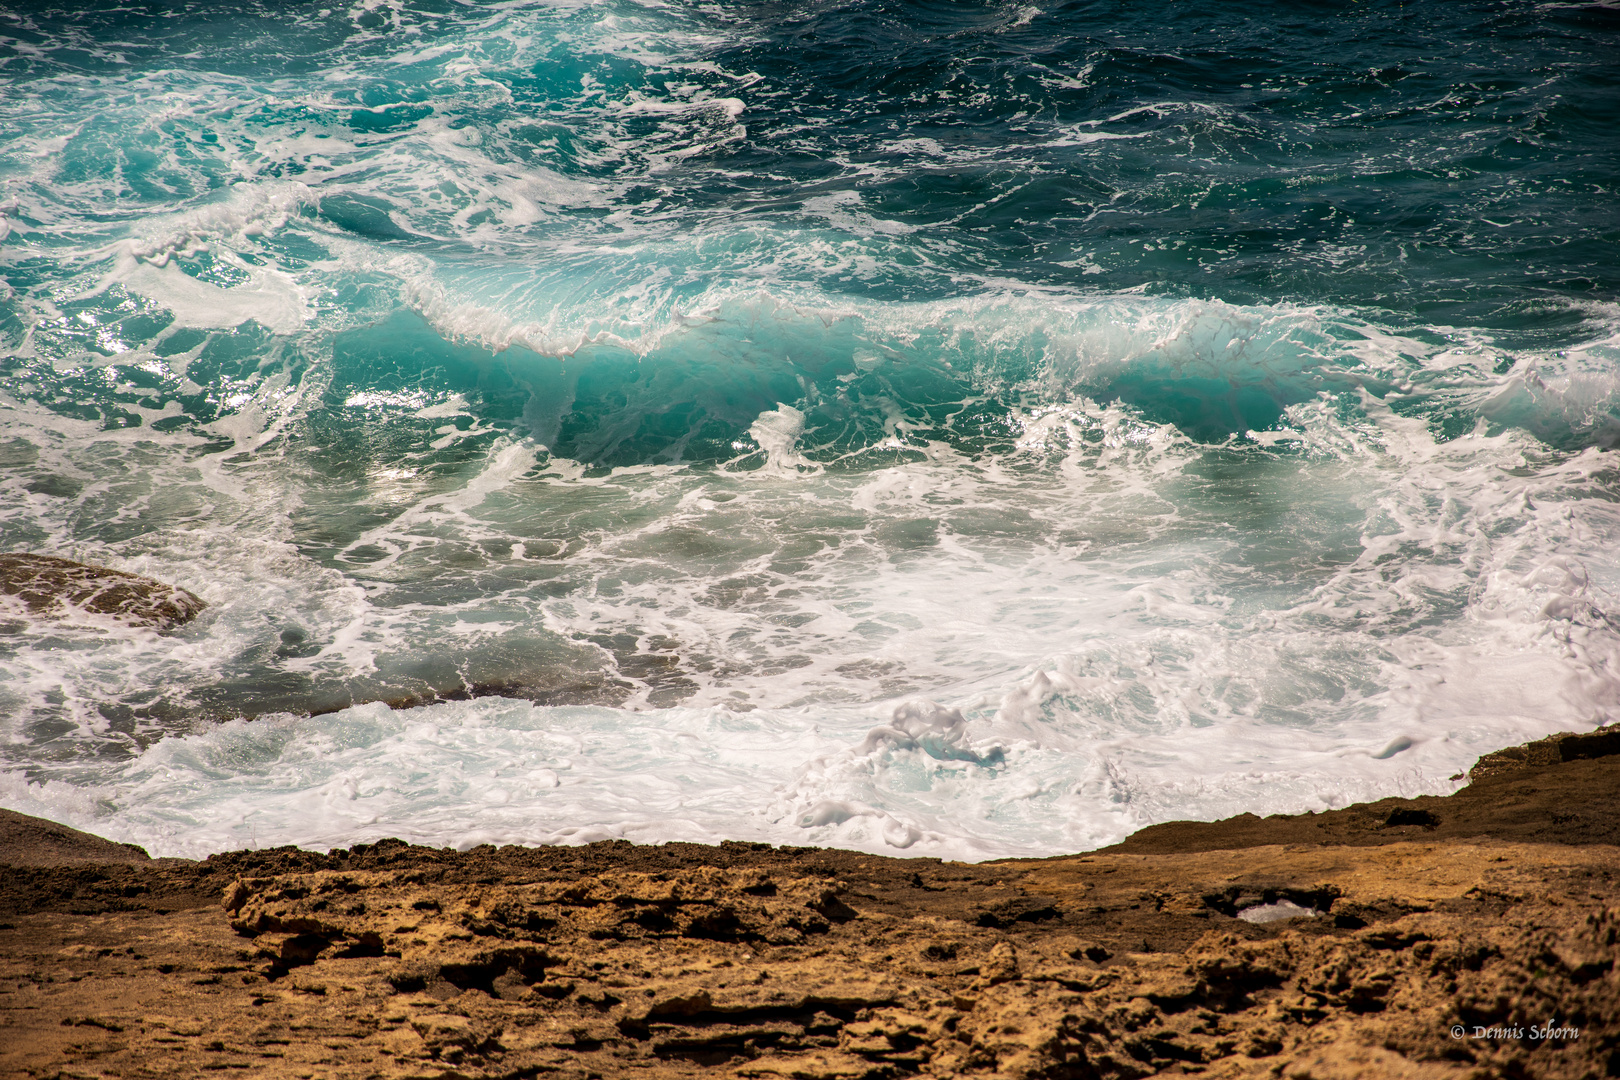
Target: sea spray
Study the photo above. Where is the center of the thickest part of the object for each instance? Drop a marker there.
(966, 432)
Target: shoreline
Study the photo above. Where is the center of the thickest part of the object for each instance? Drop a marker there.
(1340, 944)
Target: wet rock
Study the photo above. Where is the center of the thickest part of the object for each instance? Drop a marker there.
(1554, 749)
(47, 585)
(1505, 797)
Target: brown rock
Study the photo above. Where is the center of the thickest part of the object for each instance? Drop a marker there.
(1565, 746)
(1435, 957)
(31, 841)
(1507, 799)
(47, 585)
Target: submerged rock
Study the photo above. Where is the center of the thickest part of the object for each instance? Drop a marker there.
(48, 585)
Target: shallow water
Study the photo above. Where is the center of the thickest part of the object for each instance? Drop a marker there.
(965, 429)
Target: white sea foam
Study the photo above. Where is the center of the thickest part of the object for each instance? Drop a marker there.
(927, 780)
(778, 432)
(996, 656)
(965, 587)
(270, 298)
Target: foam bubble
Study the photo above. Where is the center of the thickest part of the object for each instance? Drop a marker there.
(777, 432)
(269, 298)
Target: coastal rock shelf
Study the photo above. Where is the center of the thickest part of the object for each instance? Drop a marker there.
(1473, 936)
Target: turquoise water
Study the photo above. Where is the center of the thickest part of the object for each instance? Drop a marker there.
(958, 428)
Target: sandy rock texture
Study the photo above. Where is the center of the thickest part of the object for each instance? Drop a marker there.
(1419, 955)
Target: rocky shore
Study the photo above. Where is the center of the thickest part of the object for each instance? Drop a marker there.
(1474, 935)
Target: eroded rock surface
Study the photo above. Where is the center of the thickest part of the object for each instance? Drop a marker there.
(47, 585)
(1426, 957)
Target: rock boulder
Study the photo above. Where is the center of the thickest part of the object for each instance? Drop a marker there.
(47, 585)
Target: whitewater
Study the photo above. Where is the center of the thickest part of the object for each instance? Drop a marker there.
(964, 430)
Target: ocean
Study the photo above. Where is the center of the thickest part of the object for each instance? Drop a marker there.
(962, 429)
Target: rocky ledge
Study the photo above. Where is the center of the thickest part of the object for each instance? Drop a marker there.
(1468, 936)
(47, 585)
